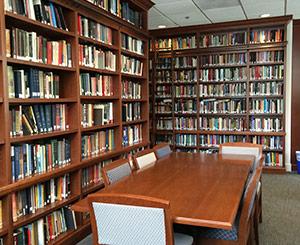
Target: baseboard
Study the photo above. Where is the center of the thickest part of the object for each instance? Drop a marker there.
(288, 167)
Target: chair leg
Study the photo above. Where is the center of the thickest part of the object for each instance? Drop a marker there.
(260, 208)
(256, 234)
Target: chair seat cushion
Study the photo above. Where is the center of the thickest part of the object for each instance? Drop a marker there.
(182, 239)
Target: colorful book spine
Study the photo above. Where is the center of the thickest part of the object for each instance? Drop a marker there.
(222, 90)
(268, 142)
(273, 159)
(229, 106)
(131, 90)
(216, 140)
(267, 36)
(223, 74)
(131, 112)
(132, 135)
(165, 123)
(266, 88)
(223, 59)
(185, 123)
(267, 72)
(163, 91)
(186, 140)
(266, 106)
(185, 62)
(266, 57)
(185, 76)
(132, 44)
(96, 114)
(96, 85)
(185, 91)
(131, 66)
(185, 106)
(222, 123)
(223, 39)
(266, 124)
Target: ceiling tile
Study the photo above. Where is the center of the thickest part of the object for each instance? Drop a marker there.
(293, 7)
(212, 4)
(255, 8)
(225, 14)
(156, 19)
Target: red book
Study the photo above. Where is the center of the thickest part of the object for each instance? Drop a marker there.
(79, 25)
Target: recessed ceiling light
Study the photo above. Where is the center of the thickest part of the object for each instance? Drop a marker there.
(187, 17)
(265, 15)
(161, 26)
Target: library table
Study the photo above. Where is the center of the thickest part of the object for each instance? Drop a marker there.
(203, 190)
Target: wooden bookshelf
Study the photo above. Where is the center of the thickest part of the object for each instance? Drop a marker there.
(71, 95)
(214, 50)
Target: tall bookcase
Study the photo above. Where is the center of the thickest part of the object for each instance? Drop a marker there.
(221, 83)
(73, 94)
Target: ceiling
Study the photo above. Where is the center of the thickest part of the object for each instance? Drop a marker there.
(175, 13)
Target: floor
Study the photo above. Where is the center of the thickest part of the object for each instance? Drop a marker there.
(281, 211)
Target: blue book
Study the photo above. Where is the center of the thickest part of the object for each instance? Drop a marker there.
(43, 118)
(52, 10)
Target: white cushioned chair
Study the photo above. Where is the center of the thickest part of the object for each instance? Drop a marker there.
(144, 158)
(162, 150)
(123, 219)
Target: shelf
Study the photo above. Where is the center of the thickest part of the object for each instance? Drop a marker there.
(134, 100)
(223, 114)
(220, 132)
(41, 101)
(266, 96)
(266, 114)
(99, 127)
(223, 97)
(266, 80)
(184, 68)
(274, 170)
(3, 232)
(36, 25)
(251, 133)
(184, 83)
(185, 114)
(133, 54)
(222, 66)
(267, 63)
(1, 100)
(186, 147)
(163, 98)
(272, 150)
(2, 142)
(186, 98)
(135, 146)
(44, 211)
(38, 178)
(221, 82)
(24, 138)
(98, 43)
(132, 76)
(163, 83)
(97, 70)
(40, 65)
(92, 188)
(185, 131)
(134, 122)
(99, 97)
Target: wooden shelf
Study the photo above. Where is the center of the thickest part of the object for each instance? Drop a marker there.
(92, 188)
(24, 138)
(36, 25)
(99, 127)
(99, 97)
(266, 96)
(267, 64)
(83, 39)
(2, 142)
(133, 76)
(223, 114)
(97, 70)
(133, 122)
(41, 101)
(134, 100)
(274, 170)
(223, 66)
(266, 80)
(223, 97)
(40, 65)
(220, 82)
(3, 232)
(133, 54)
(24, 220)
(1, 100)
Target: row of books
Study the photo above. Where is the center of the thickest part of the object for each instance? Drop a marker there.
(185, 76)
(267, 36)
(266, 124)
(266, 106)
(164, 63)
(32, 83)
(132, 44)
(185, 91)
(223, 124)
(163, 91)
(29, 200)
(273, 159)
(216, 140)
(92, 56)
(94, 30)
(96, 143)
(236, 89)
(164, 76)
(185, 106)
(267, 72)
(185, 123)
(223, 106)
(163, 106)
(131, 90)
(223, 59)
(96, 114)
(92, 174)
(46, 229)
(223, 39)
(223, 74)
(131, 66)
(43, 11)
(164, 124)
(131, 112)
(30, 46)
(176, 43)
(132, 135)
(28, 120)
(267, 56)
(121, 9)
(268, 142)
(30, 159)
(185, 62)
(186, 139)
(96, 85)
(266, 88)
(164, 138)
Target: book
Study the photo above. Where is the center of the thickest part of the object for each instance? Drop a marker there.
(132, 44)
(132, 135)
(223, 39)
(97, 114)
(96, 85)
(131, 89)
(131, 112)
(131, 66)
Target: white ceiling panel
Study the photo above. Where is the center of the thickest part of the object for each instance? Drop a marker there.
(156, 19)
(225, 14)
(255, 8)
(212, 4)
(176, 7)
(195, 18)
(293, 7)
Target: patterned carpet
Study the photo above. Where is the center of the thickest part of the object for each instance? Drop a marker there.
(281, 211)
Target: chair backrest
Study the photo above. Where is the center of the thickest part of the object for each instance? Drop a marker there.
(115, 171)
(124, 219)
(144, 158)
(241, 148)
(247, 207)
(162, 150)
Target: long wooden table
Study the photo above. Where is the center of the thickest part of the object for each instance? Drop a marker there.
(203, 190)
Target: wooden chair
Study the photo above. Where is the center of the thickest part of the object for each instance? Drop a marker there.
(162, 150)
(123, 219)
(243, 228)
(144, 158)
(242, 148)
(115, 171)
